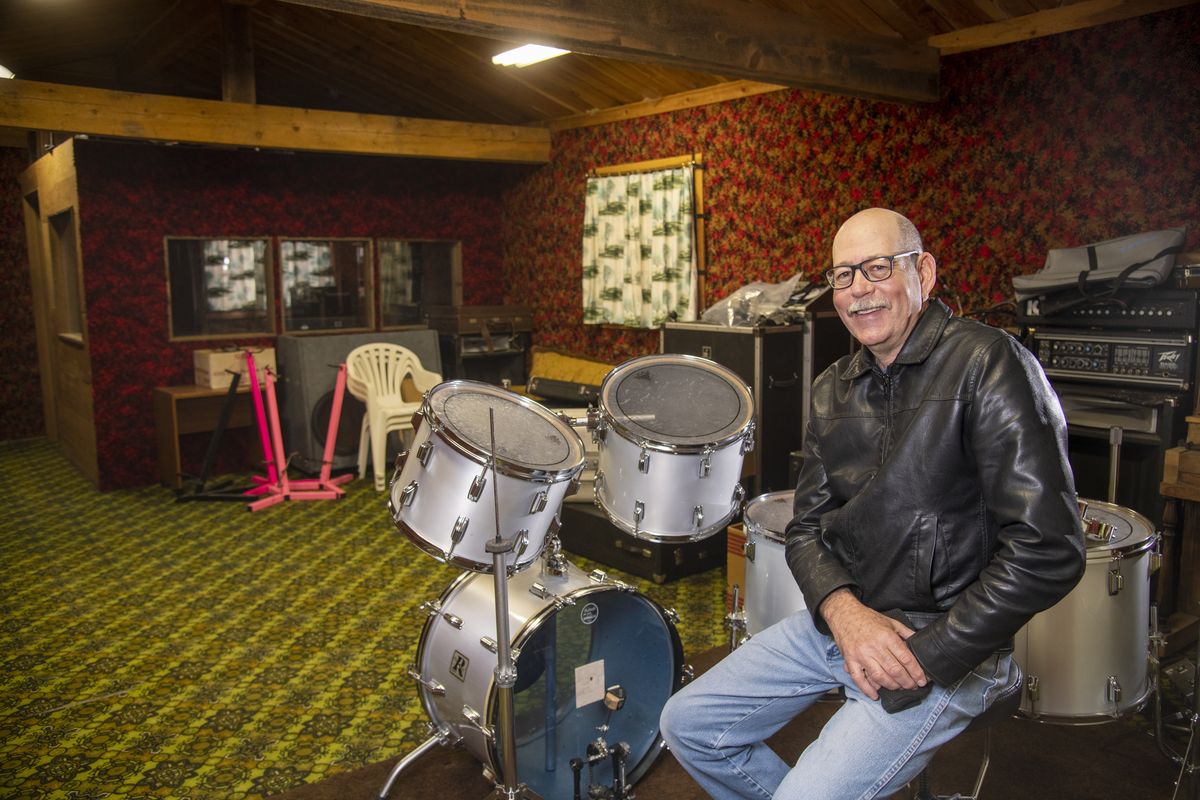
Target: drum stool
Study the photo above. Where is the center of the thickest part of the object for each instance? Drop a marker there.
(1004, 706)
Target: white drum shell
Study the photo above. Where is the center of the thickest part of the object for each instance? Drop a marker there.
(441, 496)
(1073, 648)
(771, 589)
(669, 490)
(470, 601)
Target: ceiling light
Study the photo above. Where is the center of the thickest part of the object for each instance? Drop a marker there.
(526, 54)
(5, 72)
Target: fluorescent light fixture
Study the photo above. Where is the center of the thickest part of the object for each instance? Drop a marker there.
(526, 54)
(5, 72)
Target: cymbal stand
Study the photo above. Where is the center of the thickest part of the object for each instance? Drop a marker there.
(735, 620)
(1189, 760)
(506, 670)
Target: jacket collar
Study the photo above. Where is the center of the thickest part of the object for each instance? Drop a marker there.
(917, 347)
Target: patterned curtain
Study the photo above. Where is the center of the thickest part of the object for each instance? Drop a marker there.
(638, 257)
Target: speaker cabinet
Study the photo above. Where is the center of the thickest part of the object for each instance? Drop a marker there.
(307, 375)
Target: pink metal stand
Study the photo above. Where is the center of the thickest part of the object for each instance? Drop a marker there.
(281, 488)
(262, 485)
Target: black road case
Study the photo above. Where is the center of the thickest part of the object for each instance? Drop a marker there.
(778, 363)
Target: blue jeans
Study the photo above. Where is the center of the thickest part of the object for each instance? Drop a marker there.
(716, 725)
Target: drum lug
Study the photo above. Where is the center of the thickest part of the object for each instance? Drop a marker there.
(453, 620)
(431, 686)
(408, 494)
(697, 516)
(597, 488)
(477, 484)
(1033, 688)
(539, 503)
(748, 551)
(456, 534)
(639, 513)
(476, 719)
(423, 452)
(431, 607)
(598, 576)
(489, 644)
(748, 439)
(739, 494)
(1116, 581)
(687, 674)
(644, 461)
(672, 615)
(1113, 691)
(706, 461)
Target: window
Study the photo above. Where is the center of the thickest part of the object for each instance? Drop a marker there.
(416, 274)
(326, 284)
(642, 243)
(219, 287)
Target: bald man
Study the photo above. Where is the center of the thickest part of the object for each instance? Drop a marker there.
(935, 513)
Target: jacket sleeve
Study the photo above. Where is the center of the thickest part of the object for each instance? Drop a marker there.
(1017, 433)
(817, 571)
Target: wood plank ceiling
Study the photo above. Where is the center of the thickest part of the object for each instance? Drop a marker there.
(431, 59)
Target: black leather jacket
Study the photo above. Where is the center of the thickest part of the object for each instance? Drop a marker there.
(940, 484)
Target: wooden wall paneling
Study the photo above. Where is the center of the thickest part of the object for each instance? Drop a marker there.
(63, 357)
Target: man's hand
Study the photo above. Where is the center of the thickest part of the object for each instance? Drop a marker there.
(872, 644)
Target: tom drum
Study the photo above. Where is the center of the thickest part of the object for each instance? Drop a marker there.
(771, 590)
(672, 431)
(1086, 659)
(443, 497)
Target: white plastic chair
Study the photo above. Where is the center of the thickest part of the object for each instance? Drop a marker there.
(390, 380)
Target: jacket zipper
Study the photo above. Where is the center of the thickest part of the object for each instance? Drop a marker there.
(889, 396)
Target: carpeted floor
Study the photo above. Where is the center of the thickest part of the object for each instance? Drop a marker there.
(1028, 759)
(150, 648)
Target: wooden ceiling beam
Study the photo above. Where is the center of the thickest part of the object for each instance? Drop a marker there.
(1048, 22)
(181, 27)
(738, 40)
(31, 105)
(720, 93)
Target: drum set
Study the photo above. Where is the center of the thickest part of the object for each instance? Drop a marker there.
(553, 678)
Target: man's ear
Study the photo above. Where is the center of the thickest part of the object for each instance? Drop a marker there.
(927, 270)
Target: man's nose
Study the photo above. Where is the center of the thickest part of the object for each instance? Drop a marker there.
(859, 285)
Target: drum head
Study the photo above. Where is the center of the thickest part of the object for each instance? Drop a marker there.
(768, 514)
(676, 400)
(530, 440)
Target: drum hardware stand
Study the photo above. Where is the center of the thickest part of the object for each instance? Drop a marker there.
(195, 488)
(506, 670)
(324, 487)
(599, 750)
(1115, 435)
(1189, 760)
(735, 620)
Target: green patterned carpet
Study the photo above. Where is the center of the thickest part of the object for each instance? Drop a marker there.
(150, 648)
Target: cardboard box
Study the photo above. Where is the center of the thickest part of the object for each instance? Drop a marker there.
(214, 368)
(735, 564)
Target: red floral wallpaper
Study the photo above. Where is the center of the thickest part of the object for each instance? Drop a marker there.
(1055, 142)
(132, 195)
(20, 390)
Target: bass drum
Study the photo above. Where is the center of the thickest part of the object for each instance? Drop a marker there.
(1086, 659)
(573, 636)
(771, 590)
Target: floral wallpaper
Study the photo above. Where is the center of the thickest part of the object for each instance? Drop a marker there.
(21, 390)
(1054, 142)
(132, 195)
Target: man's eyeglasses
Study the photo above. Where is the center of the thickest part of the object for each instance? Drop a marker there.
(874, 269)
